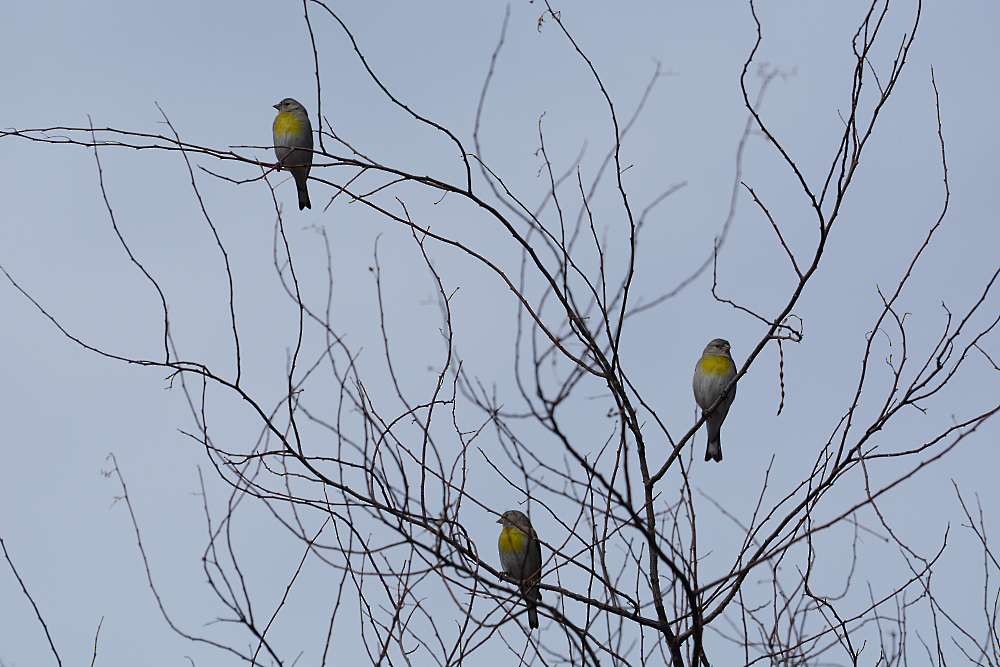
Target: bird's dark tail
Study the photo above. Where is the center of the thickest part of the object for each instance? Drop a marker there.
(532, 596)
(714, 450)
(300, 185)
(304, 198)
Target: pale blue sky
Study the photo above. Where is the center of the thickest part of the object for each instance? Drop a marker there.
(216, 69)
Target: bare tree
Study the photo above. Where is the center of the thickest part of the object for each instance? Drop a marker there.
(380, 479)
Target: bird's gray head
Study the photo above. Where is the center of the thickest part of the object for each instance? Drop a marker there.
(717, 346)
(515, 519)
(290, 105)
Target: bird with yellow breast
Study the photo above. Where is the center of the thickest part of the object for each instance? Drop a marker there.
(293, 144)
(712, 375)
(521, 558)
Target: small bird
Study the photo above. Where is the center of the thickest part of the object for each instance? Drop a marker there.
(712, 373)
(293, 142)
(521, 558)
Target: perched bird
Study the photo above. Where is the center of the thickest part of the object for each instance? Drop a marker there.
(293, 142)
(521, 558)
(712, 373)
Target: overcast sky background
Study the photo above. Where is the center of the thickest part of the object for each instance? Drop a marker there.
(216, 69)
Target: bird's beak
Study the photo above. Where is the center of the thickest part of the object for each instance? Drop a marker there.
(499, 520)
(277, 106)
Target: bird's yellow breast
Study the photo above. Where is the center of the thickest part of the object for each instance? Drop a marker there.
(287, 123)
(513, 539)
(716, 364)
